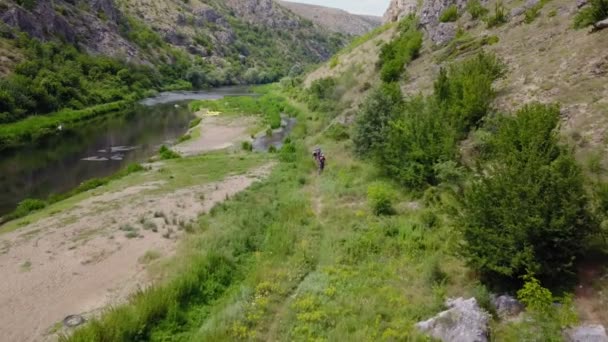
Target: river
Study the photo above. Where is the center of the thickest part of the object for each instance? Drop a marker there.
(99, 147)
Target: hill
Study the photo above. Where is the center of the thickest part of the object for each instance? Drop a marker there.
(333, 19)
(547, 60)
(173, 44)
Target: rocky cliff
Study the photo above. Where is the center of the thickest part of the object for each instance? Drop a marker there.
(398, 9)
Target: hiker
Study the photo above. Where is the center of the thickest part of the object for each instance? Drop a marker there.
(321, 163)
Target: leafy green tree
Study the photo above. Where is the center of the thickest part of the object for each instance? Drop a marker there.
(527, 211)
(373, 121)
(465, 92)
(416, 141)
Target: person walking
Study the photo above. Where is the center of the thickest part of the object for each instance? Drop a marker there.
(322, 161)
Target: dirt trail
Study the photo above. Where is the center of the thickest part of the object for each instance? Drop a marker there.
(88, 257)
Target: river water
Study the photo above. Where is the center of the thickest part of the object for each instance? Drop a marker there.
(98, 148)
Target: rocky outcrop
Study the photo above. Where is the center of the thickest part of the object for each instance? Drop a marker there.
(75, 23)
(399, 9)
(587, 333)
(600, 25)
(507, 306)
(264, 12)
(465, 321)
(42, 22)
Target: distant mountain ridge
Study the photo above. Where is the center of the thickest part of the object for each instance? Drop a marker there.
(232, 37)
(334, 19)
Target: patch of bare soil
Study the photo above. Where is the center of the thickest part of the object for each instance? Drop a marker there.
(591, 296)
(86, 258)
(216, 133)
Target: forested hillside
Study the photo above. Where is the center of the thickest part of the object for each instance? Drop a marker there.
(75, 54)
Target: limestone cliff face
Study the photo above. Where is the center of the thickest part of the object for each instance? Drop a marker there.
(428, 12)
(398, 9)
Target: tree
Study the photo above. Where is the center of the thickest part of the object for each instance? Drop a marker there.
(374, 117)
(417, 141)
(527, 211)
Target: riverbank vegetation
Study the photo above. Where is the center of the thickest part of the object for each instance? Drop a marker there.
(56, 76)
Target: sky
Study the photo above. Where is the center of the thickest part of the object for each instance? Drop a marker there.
(373, 7)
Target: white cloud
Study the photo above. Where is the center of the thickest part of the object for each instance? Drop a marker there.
(374, 7)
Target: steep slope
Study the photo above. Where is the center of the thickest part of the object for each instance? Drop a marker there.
(333, 19)
(234, 36)
(56, 53)
(547, 60)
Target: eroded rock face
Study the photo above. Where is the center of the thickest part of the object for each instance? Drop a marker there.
(465, 321)
(507, 306)
(587, 333)
(443, 33)
(42, 22)
(399, 9)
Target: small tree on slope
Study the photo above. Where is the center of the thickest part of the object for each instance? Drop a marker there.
(527, 212)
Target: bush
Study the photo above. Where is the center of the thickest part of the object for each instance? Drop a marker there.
(546, 320)
(450, 14)
(166, 153)
(373, 120)
(195, 122)
(338, 132)
(380, 197)
(527, 212)
(247, 146)
(425, 131)
(595, 11)
(465, 92)
(26, 207)
(499, 16)
(396, 54)
(416, 141)
(476, 9)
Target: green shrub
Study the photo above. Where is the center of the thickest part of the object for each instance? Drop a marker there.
(534, 12)
(547, 316)
(528, 211)
(484, 298)
(247, 146)
(450, 14)
(373, 119)
(334, 62)
(476, 9)
(416, 141)
(595, 11)
(195, 122)
(429, 219)
(424, 132)
(26, 207)
(338, 132)
(380, 197)
(395, 55)
(499, 17)
(166, 153)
